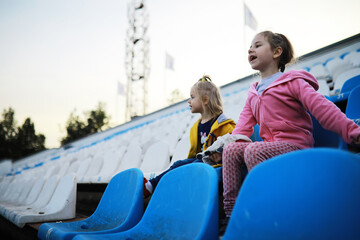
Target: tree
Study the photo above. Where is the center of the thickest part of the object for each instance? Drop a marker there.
(7, 134)
(18, 142)
(96, 120)
(175, 96)
(27, 141)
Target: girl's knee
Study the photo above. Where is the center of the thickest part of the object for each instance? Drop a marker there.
(250, 150)
(251, 155)
(228, 147)
(228, 151)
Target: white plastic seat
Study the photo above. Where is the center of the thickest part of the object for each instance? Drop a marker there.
(4, 184)
(12, 190)
(319, 71)
(342, 78)
(27, 200)
(74, 165)
(156, 158)
(337, 66)
(95, 165)
(181, 151)
(22, 188)
(111, 162)
(61, 206)
(353, 58)
(64, 166)
(83, 167)
(323, 87)
(233, 111)
(132, 157)
(43, 198)
(48, 171)
(146, 137)
(172, 138)
(18, 198)
(5, 167)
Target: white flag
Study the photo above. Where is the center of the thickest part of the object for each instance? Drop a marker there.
(120, 88)
(169, 61)
(249, 18)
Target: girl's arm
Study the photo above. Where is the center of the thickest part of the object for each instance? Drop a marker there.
(327, 113)
(246, 120)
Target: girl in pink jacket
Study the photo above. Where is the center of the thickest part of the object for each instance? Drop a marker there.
(279, 104)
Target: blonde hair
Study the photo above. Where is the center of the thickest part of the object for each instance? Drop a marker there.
(206, 88)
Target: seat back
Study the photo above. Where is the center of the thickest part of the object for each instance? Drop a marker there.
(156, 157)
(353, 104)
(323, 87)
(122, 201)
(306, 194)
(350, 84)
(255, 136)
(46, 192)
(35, 190)
(181, 150)
(352, 112)
(132, 157)
(183, 206)
(119, 209)
(324, 137)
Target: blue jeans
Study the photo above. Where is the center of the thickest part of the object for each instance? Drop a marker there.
(154, 182)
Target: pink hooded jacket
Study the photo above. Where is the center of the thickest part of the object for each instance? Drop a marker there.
(281, 112)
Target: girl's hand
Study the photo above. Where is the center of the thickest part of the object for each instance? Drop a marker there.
(216, 157)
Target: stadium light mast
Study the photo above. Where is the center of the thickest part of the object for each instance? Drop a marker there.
(137, 59)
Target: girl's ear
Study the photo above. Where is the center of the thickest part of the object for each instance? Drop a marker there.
(205, 100)
(277, 52)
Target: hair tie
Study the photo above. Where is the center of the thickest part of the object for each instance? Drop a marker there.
(205, 79)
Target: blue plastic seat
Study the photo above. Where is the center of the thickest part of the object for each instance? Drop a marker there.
(255, 136)
(347, 86)
(324, 137)
(306, 194)
(350, 84)
(119, 209)
(184, 205)
(352, 111)
(353, 105)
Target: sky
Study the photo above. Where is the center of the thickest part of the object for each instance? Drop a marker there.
(59, 57)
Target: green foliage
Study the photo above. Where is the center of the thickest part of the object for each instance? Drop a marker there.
(27, 141)
(175, 96)
(18, 142)
(97, 120)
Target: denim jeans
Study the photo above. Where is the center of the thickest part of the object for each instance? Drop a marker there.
(155, 181)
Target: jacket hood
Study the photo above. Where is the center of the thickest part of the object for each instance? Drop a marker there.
(222, 118)
(292, 75)
(295, 74)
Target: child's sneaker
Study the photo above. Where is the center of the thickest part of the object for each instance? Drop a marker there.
(147, 188)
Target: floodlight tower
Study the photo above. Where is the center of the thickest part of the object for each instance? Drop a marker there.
(137, 59)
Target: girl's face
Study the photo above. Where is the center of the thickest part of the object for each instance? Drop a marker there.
(261, 56)
(195, 103)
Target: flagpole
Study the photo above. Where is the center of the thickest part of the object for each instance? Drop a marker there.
(116, 109)
(165, 80)
(244, 35)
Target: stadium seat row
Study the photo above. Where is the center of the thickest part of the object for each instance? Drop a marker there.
(306, 194)
(335, 72)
